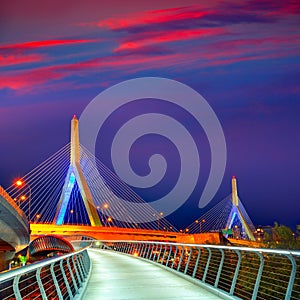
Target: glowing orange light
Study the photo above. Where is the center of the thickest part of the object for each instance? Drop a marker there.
(19, 182)
(109, 219)
(71, 211)
(105, 205)
(38, 216)
(135, 254)
(23, 197)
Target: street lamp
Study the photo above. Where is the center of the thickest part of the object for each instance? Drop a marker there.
(37, 217)
(202, 222)
(105, 206)
(109, 220)
(20, 183)
(158, 219)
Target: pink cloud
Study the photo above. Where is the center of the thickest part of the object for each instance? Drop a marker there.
(154, 17)
(26, 79)
(165, 37)
(45, 43)
(9, 60)
(42, 75)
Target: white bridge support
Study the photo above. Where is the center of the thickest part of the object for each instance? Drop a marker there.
(75, 173)
(237, 213)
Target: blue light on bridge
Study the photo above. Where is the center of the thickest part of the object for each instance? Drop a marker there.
(66, 196)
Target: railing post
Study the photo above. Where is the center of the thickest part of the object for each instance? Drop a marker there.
(152, 256)
(72, 275)
(126, 246)
(236, 273)
(80, 267)
(40, 284)
(65, 279)
(174, 256)
(163, 257)
(82, 264)
(76, 271)
(197, 262)
(170, 251)
(142, 250)
(58, 291)
(292, 277)
(207, 265)
(181, 258)
(220, 268)
(148, 252)
(188, 262)
(258, 277)
(159, 253)
(16, 287)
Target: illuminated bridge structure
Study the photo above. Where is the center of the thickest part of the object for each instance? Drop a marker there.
(73, 194)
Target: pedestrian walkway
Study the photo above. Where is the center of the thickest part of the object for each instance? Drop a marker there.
(116, 276)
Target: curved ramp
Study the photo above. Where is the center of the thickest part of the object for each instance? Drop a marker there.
(14, 228)
(116, 276)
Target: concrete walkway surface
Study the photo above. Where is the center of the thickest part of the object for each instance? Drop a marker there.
(116, 276)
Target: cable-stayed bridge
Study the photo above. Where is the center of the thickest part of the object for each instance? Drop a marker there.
(73, 193)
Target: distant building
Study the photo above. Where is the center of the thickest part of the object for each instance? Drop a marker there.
(260, 232)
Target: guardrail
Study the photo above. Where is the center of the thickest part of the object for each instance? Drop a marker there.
(237, 272)
(62, 277)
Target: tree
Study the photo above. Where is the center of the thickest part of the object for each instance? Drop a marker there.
(283, 238)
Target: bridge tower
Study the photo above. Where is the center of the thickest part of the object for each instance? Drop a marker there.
(236, 212)
(75, 174)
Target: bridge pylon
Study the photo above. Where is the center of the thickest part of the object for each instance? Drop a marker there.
(236, 212)
(75, 174)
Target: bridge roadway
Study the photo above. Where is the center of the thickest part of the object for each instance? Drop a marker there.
(14, 229)
(117, 276)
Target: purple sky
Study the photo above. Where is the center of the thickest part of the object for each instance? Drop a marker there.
(242, 56)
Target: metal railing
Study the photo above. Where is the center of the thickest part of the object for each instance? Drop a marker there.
(237, 272)
(62, 277)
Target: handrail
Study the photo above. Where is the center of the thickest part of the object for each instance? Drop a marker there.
(67, 273)
(234, 272)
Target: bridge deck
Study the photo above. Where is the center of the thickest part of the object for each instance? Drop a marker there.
(116, 276)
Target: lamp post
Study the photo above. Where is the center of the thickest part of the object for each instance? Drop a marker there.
(104, 206)
(109, 220)
(158, 219)
(20, 183)
(200, 222)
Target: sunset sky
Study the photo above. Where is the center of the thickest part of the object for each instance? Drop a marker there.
(243, 57)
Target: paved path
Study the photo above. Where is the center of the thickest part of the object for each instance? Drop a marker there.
(116, 276)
